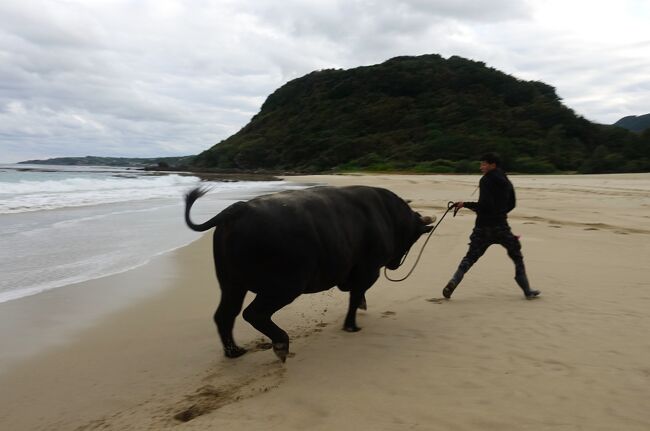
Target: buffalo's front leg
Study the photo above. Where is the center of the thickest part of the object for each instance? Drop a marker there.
(259, 313)
(230, 305)
(350, 324)
(358, 283)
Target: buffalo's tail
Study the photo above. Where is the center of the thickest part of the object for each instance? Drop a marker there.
(190, 198)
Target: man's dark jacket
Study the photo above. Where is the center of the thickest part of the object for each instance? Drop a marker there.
(496, 199)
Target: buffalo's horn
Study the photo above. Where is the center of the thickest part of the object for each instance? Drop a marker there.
(428, 219)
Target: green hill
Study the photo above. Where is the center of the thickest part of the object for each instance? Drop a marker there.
(634, 123)
(423, 114)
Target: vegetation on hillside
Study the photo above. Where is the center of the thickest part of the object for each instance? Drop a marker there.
(423, 114)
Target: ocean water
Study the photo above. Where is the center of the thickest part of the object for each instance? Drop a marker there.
(61, 225)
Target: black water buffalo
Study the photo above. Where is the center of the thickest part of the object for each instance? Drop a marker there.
(282, 245)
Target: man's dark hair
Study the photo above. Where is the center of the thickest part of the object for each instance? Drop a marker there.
(491, 158)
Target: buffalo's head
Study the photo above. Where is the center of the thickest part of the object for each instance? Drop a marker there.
(415, 225)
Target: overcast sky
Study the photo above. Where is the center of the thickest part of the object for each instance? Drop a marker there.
(154, 78)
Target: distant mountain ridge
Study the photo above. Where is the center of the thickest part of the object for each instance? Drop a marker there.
(112, 161)
(634, 123)
(423, 114)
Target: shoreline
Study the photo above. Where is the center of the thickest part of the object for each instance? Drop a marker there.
(578, 354)
(77, 306)
(40, 289)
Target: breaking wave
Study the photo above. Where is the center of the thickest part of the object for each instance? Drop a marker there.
(25, 196)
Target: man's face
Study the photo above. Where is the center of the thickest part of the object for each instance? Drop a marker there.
(487, 167)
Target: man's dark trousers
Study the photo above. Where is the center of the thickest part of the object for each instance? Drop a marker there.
(483, 237)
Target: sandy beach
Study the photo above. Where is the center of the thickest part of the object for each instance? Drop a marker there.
(577, 358)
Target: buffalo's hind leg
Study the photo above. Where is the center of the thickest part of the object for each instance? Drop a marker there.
(230, 305)
(259, 312)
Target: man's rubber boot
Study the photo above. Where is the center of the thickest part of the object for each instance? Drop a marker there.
(522, 281)
(452, 284)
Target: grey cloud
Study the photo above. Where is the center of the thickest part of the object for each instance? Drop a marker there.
(490, 11)
(173, 78)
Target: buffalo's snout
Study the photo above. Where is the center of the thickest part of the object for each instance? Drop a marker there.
(425, 223)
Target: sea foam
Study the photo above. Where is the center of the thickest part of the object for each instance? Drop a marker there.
(25, 196)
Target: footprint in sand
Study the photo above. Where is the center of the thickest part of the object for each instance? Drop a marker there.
(388, 313)
(208, 398)
(436, 300)
(205, 400)
(591, 228)
(555, 226)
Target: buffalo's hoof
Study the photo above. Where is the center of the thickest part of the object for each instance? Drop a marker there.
(281, 350)
(353, 328)
(234, 352)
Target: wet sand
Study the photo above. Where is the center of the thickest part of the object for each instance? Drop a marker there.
(576, 358)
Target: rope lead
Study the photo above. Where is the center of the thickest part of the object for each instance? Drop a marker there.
(450, 206)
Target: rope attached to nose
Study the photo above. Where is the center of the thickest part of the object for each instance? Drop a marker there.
(450, 206)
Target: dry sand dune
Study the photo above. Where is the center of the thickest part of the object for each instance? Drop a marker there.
(577, 358)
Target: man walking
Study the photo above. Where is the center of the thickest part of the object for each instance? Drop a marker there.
(496, 200)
